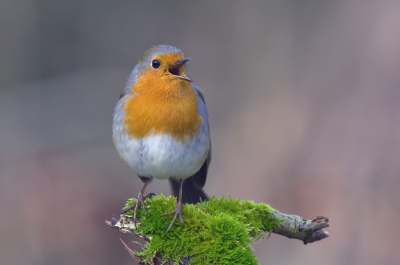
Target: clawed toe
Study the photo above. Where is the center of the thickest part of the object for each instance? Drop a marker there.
(177, 212)
(140, 199)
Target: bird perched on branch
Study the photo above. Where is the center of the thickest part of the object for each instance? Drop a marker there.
(160, 127)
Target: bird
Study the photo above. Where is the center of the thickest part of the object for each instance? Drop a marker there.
(161, 128)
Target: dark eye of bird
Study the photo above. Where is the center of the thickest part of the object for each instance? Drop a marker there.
(155, 64)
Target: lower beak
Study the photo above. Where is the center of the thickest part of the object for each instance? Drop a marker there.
(178, 69)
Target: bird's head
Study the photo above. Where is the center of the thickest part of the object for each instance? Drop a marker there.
(164, 62)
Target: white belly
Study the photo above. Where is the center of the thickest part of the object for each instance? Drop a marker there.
(162, 157)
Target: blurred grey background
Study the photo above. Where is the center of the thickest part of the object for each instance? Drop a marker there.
(304, 104)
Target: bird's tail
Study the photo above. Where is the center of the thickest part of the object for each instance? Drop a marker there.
(191, 192)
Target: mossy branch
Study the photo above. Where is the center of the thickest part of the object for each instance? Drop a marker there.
(216, 231)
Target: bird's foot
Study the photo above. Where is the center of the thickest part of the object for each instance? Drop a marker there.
(140, 199)
(177, 212)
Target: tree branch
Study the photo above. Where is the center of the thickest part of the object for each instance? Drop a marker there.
(293, 226)
(305, 230)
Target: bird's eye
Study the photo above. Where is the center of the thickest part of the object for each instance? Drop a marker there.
(155, 64)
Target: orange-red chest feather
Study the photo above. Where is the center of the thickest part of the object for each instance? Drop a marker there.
(161, 104)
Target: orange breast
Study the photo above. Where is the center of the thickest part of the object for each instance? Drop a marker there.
(162, 104)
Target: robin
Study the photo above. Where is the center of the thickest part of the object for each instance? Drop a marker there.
(160, 127)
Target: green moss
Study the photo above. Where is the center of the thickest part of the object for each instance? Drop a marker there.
(217, 231)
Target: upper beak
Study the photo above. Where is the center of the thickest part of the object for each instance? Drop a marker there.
(178, 69)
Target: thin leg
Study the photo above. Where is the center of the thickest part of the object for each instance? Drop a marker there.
(178, 208)
(140, 199)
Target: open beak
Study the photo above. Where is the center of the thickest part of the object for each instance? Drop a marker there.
(178, 69)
